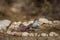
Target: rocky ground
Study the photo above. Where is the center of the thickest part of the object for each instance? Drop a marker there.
(9, 37)
(46, 29)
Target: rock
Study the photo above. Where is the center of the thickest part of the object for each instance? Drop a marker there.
(53, 34)
(1, 31)
(14, 25)
(18, 33)
(50, 22)
(44, 34)
(30, 22)
(10, 33)
(25, 23)
(4, 24)
(25, 34)
(31, 34)
(43, 20)
(19, 22)
(56, 21)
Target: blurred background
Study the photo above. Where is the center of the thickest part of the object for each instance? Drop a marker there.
(16, 10)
